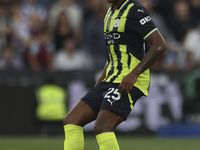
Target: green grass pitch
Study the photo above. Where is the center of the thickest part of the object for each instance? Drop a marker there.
(126, 143)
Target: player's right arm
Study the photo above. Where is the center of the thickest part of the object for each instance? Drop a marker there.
(103, 75)
(145, 28)
(158, 47)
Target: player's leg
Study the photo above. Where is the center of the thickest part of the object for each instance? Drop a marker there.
(105, 125)
(84, 112)
(79, 116)
(114, 109)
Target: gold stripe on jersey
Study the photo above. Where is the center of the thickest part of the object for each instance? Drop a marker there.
(107, 14)
(143, 80)
(122, 48)
(106, 19)
(123, 19)
(112, 64)
(130, 100)
(109, 65)
(120, 61)
(124, 59)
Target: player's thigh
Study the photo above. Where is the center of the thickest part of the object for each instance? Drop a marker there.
(80, 115)
(107, 121)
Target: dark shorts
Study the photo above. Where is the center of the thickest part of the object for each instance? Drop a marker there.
(106, 96)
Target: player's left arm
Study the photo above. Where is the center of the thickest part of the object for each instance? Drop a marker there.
(158, 46)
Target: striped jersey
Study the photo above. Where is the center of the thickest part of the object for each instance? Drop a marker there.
(125, 32)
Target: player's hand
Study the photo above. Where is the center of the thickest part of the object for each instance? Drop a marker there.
(127, 84)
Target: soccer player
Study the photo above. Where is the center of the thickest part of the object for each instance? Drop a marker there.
(125, 77)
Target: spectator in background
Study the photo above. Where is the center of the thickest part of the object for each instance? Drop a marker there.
(5, 30)
(45, 3)
(20, 28)
(180, 22)
(39, 55)
(72, 11)
(164, 7)
(167, 61)
(192, 47)
(30, 7)
(70, 58)
(195, 11)
(39, 52)
(93, 32)
(9, 60)
(63, 30)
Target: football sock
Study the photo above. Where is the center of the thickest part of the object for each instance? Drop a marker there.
(74, 138)
(107, 141)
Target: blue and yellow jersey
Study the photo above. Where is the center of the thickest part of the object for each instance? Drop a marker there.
(125, 32)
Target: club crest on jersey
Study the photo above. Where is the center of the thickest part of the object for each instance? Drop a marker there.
(117, 22)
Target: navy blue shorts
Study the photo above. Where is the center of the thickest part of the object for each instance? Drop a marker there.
(106, 96)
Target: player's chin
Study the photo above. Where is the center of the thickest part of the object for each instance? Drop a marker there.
(112, 1)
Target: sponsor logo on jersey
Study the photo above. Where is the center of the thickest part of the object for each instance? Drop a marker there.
(110, 37)
(144, 20)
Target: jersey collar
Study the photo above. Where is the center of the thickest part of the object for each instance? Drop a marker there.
(122, 5)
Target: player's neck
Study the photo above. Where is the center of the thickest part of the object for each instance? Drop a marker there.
(117, 4)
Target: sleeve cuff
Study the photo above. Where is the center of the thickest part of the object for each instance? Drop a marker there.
(150, 33)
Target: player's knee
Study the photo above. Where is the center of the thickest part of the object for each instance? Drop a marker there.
(98, 129)
(67, 120)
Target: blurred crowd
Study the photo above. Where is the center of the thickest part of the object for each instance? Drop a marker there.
(63, 35)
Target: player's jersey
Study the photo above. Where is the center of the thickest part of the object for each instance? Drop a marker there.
(125, 31)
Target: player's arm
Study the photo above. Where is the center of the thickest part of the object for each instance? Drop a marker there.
(158, 46)
(103, 75)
